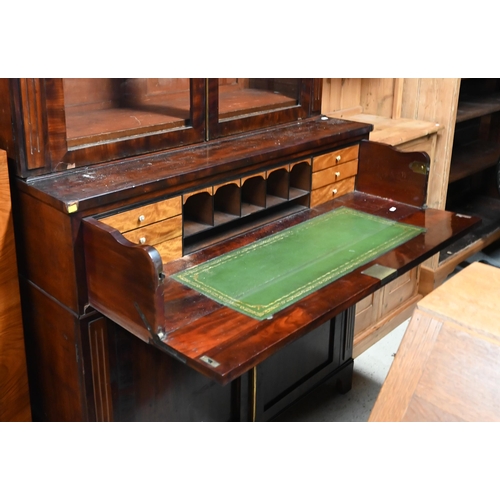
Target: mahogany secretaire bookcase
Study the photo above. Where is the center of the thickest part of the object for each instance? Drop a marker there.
(193, 249)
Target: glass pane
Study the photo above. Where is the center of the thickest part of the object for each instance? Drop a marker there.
(240, 97)
(109, 109)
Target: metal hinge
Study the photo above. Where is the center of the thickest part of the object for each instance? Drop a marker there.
(420, 168)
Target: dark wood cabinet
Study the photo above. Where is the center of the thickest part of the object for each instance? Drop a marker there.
(474, 180)
(65, 123)
(110, 334)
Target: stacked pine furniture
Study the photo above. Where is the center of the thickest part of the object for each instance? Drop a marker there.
(456, 121)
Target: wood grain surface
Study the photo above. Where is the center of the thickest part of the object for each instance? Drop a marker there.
(196, 326)
(446, 368)
(14, 395)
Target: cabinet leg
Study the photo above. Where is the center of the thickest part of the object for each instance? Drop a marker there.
(344, 380)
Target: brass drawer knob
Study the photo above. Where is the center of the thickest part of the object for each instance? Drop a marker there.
(141, 218)
(142, 240)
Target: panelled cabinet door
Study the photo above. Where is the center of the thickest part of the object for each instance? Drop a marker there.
(72, 122)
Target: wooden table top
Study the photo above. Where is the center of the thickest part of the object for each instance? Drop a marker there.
(447, 367)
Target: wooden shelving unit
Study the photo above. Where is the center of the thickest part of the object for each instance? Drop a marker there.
(457, 122)
(406, 114)
(477, 106)
(473, 182)
(472, 158)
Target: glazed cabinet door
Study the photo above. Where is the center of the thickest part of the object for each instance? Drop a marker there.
(72, 122)
(245, 104)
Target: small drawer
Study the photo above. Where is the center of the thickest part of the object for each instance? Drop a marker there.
(142, 216)
(332, 191)
(335, 174)
(335, 158)
(157, 232)
(170, 249)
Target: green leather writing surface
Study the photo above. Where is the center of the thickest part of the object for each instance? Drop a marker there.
(270, 274)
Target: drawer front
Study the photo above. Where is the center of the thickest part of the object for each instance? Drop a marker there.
(155, 233)
(335, 158)
(143, 216)
(399, 290)
(367, 312)
(332, 191)
(335, 174)
(170, 249)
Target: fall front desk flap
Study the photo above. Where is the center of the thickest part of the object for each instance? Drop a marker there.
(266, 276)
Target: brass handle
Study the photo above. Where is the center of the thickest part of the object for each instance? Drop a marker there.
(142, 240)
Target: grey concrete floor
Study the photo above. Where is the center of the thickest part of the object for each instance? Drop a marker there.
(325, 404)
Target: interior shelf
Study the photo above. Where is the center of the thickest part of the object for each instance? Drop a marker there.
(223, 218)
(296, 193)
(137, 108)
(261, 195)
(235, 101)
(475, 107)
(117, 123)
(198, 240)
(473, 157)
(192, 227)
